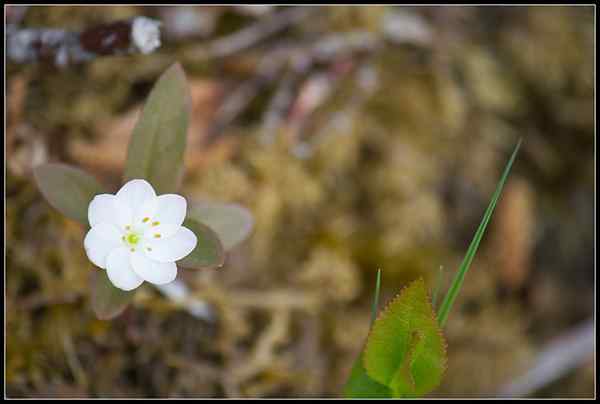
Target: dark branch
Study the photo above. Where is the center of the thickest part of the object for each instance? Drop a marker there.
(62, 48)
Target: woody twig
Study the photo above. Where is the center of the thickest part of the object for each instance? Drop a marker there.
(63, 48)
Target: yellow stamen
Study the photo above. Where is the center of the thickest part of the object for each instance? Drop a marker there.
(155, 223)
(157, 235)
(146, 219)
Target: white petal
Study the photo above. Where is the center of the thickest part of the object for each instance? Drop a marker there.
(99, 241)
(135, 193)
(171, 209)
(172, 248)
(163, 231)
(107, 208)
(144, 214)
(119, 270)
(152, 271)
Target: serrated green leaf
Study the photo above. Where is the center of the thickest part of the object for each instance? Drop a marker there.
(68, 189)
(209, 250)
(360, 385)
(158, 141)
(107, 300)
(470, 254)
(232, 222)
(406, 350)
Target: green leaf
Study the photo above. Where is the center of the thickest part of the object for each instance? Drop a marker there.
(466, 263)
(360, 385)
(208, 252)
(232, 222)
(107, 300)
(158, 141)
(406, 350)
(68, 189)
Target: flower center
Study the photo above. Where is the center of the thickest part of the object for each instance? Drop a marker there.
(133, 238)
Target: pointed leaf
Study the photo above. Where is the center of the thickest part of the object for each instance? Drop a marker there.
(68, 189)
(208, 252)
(107, 300)
(405, 349)
(158, 141)
(232, 222)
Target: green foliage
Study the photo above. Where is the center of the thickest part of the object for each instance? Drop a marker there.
(360, 385)
(157, 144)
(376, 297)
(466, 263)
(438, 285)
(68, 189)
(156, 154)
(406, 350)
(208, 252)
(232, 222)
(405, 353)
(107, 301)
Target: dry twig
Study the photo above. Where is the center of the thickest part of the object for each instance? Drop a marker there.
(561, 356)
(178, 292)
(63, 48)
(254, 34)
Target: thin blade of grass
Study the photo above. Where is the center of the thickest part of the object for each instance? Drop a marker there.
(438, 285)
(466, 263)
(376, 297)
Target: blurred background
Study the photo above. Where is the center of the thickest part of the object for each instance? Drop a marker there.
(360, 138)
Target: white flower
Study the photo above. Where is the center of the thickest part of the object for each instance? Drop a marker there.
(137, 236)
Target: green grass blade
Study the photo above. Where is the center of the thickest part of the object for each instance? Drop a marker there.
(464, 266)
(359, 384)
(376, 297)
(438, 285)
